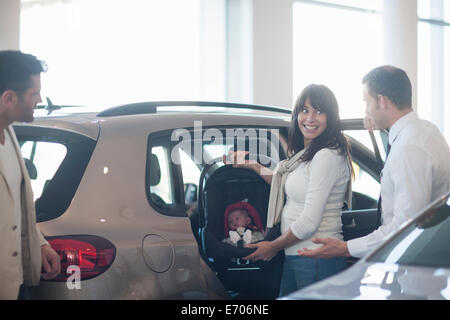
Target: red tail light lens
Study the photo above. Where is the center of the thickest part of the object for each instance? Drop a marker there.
(92, 254)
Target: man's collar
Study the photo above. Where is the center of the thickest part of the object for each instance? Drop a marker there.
(399, 125)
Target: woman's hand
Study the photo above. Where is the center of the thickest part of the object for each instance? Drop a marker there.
(265, 250)
(237, 160)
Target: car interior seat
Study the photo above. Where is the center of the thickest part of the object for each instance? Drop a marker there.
(155, 179)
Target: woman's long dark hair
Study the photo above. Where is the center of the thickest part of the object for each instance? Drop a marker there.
(323, 99)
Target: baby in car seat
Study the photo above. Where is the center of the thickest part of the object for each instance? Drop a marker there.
(242, 224)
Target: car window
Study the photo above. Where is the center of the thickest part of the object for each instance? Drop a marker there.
(362, 136)
(161, 183)
(423, 243)
(162, 186)
(47, 156)
(191, 176)
(179, 155)
(56, 160)
(212, 143)
(365, 184)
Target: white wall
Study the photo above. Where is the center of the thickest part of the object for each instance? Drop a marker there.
(259, 52)
(272, 52)
(239, 51)
(400, 38)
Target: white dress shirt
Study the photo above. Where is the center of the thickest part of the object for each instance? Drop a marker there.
(315, 193)
(416, 173)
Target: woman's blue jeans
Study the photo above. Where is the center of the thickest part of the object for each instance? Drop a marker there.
(299, 272)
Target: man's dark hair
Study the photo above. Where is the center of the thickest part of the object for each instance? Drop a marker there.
(390, 82)
(16, 68)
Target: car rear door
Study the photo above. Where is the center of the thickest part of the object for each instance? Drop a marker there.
(363, 217)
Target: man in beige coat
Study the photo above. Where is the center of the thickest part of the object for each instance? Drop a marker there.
(24, 253)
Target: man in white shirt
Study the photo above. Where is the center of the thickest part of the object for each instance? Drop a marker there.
(417, 169)
(24, 253)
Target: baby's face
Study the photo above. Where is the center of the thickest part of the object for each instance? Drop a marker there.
(238, 218)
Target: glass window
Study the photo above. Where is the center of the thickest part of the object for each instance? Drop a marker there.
(434, 9)
(362, 136)
(423, 243)
(366, 186)
(217, 143)
(56, 160)
(206, 145)
(191, 176)
(362, 4)
(191, 172)
(336, 47)
(102, 52)
(163, 176)
(47, 156)
(160, 179)
(434, 63)
(182, 154)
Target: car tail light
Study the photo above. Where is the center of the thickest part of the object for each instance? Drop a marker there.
(93, 255)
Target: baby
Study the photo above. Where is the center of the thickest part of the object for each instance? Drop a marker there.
(240, 226)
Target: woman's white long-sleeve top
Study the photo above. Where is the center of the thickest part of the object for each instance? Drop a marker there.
(315, 194)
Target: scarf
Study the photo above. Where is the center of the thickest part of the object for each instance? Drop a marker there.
(276, 198)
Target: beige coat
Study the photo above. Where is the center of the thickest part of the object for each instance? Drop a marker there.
(32, 238)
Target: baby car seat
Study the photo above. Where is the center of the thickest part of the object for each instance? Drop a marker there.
(243, 278)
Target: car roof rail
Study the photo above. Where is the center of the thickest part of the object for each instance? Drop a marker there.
(151, 107)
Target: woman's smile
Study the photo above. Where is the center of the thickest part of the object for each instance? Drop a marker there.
(310, 127)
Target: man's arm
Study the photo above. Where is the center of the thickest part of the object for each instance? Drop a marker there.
(411, 178)
(331, 248)
(51, 262)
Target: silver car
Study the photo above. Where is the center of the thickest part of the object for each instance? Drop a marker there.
(117, 195)
(414, 263)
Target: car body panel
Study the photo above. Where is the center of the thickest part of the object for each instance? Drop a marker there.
(87, 126)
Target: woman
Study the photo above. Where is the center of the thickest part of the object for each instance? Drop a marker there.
(315, 180)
